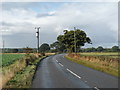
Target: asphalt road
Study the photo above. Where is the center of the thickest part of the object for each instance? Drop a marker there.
(58, 72)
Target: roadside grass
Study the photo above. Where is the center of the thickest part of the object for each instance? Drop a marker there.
(23, 79)
(111, 68)
(9, 71)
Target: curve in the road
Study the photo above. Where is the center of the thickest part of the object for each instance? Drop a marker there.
(58, 72)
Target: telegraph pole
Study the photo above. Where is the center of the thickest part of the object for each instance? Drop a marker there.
(74, 39)
(37, 35)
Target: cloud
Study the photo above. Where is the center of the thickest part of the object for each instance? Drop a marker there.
(61, 1)
(99, 20)
(46, 14)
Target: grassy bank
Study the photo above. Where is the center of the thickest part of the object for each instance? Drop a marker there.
(9, 71)
(104, 64)
(23, 79)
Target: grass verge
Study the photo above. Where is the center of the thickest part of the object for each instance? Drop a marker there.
(23, 79)
(95, 66)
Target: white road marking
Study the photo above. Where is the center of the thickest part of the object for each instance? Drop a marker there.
(85, 81)
(73, 73)
(56, 60)
(96, 88)
(60, 64)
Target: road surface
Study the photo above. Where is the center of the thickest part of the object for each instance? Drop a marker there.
(58, 72)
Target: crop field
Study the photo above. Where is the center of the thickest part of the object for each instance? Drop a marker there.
(109, 55)
(8, 59)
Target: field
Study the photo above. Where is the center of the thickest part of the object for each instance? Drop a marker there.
(112, 55)
(8, 59)
(105, 62)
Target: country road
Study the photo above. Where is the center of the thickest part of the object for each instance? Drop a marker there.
(58, 72)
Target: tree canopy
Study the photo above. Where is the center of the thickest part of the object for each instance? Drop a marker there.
(59, 47)
(100, 49)
(71, 37)
(115, 49)
(44, 48)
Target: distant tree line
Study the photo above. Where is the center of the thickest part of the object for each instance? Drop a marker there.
(101, 49)
(70, 41)
(56, 48)
(18, 50)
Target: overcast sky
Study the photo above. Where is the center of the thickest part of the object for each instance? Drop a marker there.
(98, 19)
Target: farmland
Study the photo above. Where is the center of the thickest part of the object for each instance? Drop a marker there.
(8, 59)
(105, 62)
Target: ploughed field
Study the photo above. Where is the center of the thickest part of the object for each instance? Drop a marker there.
(8, 59)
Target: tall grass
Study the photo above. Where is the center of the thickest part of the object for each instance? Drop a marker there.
(23, 79)
(10, 70)
(101, 63)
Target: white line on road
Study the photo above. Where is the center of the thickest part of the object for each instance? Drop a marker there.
(60, 64)
(73, 73)
(56, 60)
(96, 88)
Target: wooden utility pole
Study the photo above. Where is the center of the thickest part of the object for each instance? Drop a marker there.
(37, 35)
(74, 39)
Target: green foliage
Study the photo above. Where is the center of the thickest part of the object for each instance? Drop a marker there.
(22, 79)
(115, 49)
(69, 36)
(44, 48)
(59, 47)
(30, 59)
(89, 50)
(100, 49)
(8, 59)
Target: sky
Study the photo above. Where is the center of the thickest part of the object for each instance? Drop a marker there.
(19, 19)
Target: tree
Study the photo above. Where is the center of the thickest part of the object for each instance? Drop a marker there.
(115, 49)
(44, 48)
(90, 49)
(100, 49)
(59, 47)
(68, 39)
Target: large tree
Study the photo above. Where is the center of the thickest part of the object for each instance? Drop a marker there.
(100, 49)
(71, 37)
(115, 49)
(59, 47)
(44, 48)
